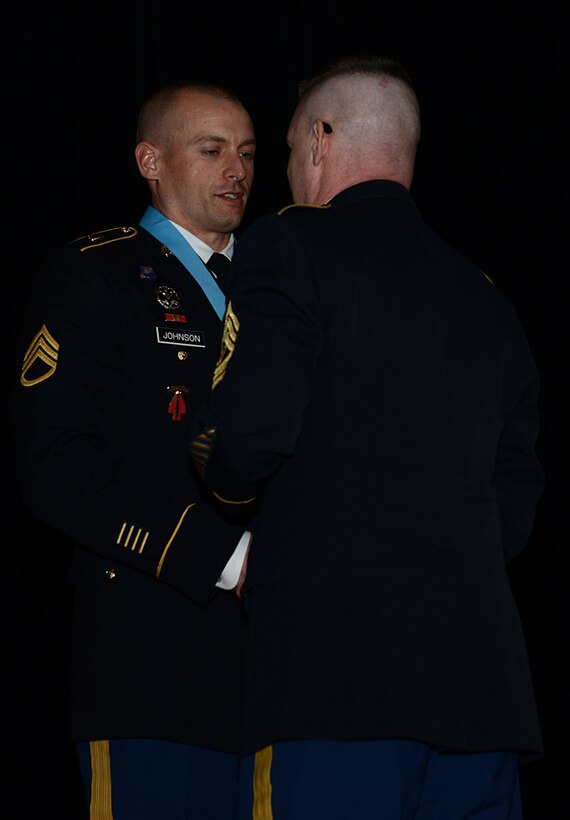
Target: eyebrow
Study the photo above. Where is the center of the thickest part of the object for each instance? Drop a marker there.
(217, 138)
(209, 138)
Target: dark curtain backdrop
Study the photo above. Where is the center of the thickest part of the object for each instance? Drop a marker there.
(492, 177)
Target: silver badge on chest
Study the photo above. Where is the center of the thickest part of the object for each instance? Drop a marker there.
(167, 297)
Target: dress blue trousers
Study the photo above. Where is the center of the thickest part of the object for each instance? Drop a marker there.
(157, 780)
(377, 780)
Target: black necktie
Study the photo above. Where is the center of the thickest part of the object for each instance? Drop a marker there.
(218, 265)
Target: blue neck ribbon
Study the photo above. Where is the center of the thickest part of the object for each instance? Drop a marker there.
(163, 230)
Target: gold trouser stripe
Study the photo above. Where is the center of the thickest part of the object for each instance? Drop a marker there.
(101, 806)
(262, 785)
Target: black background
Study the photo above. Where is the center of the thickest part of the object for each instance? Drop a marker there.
(492, 176)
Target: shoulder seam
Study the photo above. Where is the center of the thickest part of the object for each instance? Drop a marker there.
(302, 205)
(106, 237)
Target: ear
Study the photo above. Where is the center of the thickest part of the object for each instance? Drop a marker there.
(146, 157)
(319, 142)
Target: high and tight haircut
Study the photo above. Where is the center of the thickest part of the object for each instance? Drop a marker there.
(356, 65)
(159, 101)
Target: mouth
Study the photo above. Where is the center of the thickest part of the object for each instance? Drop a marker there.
(231, 196)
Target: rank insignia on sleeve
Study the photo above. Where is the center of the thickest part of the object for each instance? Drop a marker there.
(177, 405)
(229, 339)
(40, 360)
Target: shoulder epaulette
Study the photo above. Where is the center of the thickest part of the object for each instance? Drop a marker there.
(96, 240)
(301, 205)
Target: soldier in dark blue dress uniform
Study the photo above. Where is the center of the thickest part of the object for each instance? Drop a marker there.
(377, 393)
(120, 344)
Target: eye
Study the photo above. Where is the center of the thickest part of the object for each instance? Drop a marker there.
(246, 155)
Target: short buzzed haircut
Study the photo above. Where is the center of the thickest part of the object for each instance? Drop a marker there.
(381, 66)
(156, 106)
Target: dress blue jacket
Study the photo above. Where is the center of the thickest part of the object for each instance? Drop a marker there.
(117, 349)
(376, 394)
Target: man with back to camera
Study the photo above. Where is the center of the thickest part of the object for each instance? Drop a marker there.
(375, 394)
(123, 334)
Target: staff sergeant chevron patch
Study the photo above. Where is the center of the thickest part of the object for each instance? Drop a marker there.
(40, 360)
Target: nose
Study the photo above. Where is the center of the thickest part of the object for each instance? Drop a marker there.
(236, 170)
